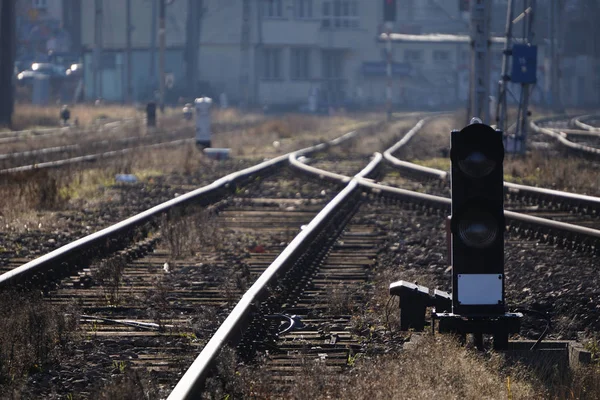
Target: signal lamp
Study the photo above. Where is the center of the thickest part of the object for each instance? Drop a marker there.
(477, 223)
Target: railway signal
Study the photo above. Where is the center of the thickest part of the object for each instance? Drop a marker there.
(477, 304)
(477, 223)
(477, 226)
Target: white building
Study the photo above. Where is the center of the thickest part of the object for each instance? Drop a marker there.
(292, 48)
(295, 48)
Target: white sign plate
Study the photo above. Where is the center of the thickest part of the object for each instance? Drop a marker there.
(479, 289)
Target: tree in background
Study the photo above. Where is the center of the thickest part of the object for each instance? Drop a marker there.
(7, 61)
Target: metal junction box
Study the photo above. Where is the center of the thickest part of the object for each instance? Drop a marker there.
(524, 64)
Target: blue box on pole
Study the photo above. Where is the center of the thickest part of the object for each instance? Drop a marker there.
(524, 63)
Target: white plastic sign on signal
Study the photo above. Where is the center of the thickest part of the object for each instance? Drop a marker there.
(480, 289)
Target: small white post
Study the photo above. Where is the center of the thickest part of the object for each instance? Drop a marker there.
(203, 134)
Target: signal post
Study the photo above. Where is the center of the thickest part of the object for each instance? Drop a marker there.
(477, 304)
(477, 235)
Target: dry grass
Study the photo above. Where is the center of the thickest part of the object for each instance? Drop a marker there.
(287, 133)
(570, 174)
(185, 232)
(30, 196)
(33, 335)
(234, 115)
(376, 137)
(434, 139)
(38, 190)
(131, 385)
(440, 367)
(28, 116)
(434, 367)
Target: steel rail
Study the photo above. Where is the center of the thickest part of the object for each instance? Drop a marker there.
(32, 132)
(578, 132)
(192, 381)
(590, 204)
(562, 137)
(424, 171)
(113, 153)
(71, 147)
(577, 121)
(16, 136)
(61, 258)
(444, 203)
(299, 163)
(46, 150)
(91, 157)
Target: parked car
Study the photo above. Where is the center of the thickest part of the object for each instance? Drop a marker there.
(75, 70)
(52, 71)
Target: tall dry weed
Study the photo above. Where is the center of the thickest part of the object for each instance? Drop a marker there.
(185, 233)
(435, 367)
(34, 334)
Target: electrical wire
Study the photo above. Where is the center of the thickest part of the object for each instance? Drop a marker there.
(544, 316)
(293, 320)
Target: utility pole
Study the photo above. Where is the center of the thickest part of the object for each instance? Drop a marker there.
(72, 22)
(129, 68)
(554, 57)
(388, 88)
(162, 36)
(245, 53)
(258, 50)
(505, 78)
(153, 34)
(193, 44)
(524, 61)
(7, 60)
(389, 19)
(523, 116)
(97, 75)
(480, 59)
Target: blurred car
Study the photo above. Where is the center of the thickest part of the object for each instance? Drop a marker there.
(75, 70)
(51, 71)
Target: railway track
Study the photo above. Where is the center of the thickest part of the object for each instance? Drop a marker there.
(99, 147)
(531, 227)
(587, 122)
(162, 309)
(582, 142)
(307, 279)
(112, 323)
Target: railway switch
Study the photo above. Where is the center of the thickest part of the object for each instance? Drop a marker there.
(414, 300)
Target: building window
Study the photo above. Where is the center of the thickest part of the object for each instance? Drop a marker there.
(300, 64)
(40, 4)
(272, 64)
(441, 55)
(340, 14)
(413, 55)
(272, 8)
(303, 9)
